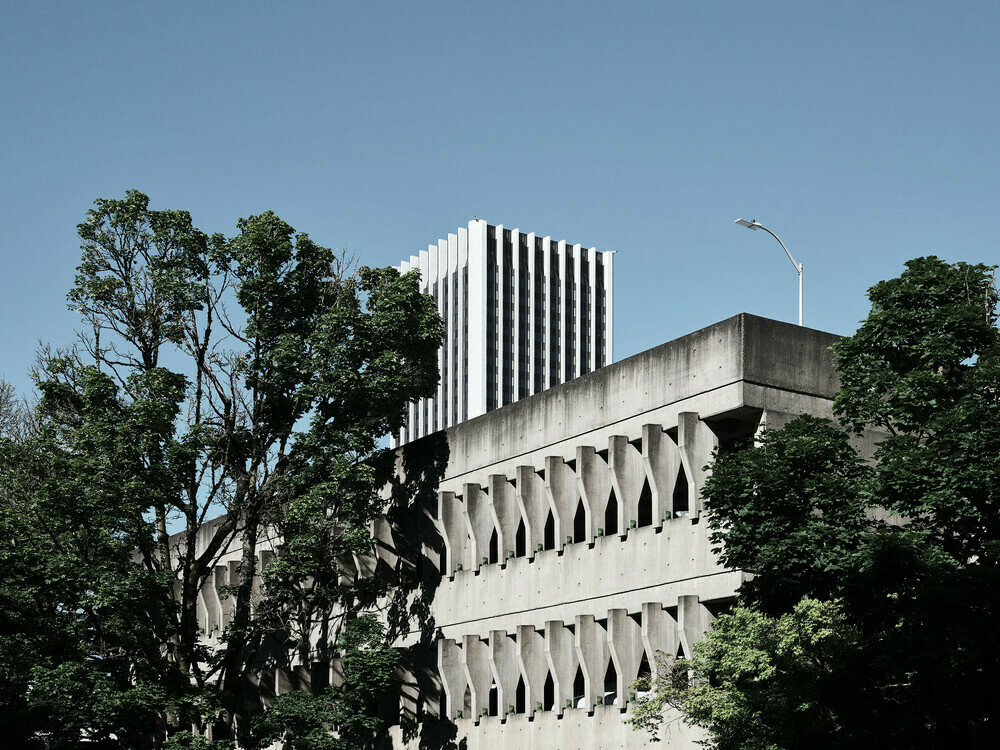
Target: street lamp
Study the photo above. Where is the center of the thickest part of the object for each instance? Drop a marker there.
(755, 225)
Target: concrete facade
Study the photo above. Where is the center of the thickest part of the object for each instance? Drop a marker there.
(558, 543)
(522, 312)
(573, 546)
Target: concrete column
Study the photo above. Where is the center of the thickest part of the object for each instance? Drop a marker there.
(592, 651)
(576, 311)
(220, 578)
(385, 545)
(230, 603)
(204, 612)
(533, 666)
(266, 688)
(477, 317)
(561, 487)
(505, 668)
(563, 308)
(532, 302)
(283, 683)
(498, 316)
(515, 293)
(626, 647)
(506, 514)
(696, 442)
(454, 680)
(693, 620)
(480, 523)
(213, 605)
(424, 405)
(476, 660)
(662, 460)
(337, 671)
(773, 420)
(409, 691)
(595, 355)
(463, 320)
(594, 480)
(562, 660)
(534, 505)
(659, 633)
(627, 476)
(547, 311)
(365, 565)
(439, 269)
(453, 322)
(347, 570)
(609, 315)
(302, 678)
(455, 531)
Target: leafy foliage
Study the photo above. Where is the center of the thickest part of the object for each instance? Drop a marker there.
(870, 618)
(234, 389)
(305, 722)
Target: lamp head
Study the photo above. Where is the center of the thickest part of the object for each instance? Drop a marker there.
(752, 224)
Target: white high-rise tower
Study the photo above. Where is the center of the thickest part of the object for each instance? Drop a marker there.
(523, 313)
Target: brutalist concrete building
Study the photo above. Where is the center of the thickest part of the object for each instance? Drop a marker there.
(572, 546)
(544, 552)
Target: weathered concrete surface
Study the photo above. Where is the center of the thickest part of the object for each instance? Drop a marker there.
(744, 348)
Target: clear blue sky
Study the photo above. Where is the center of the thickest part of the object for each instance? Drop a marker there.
(862, 133)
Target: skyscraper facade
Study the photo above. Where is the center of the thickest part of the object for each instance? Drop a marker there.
(523, 313)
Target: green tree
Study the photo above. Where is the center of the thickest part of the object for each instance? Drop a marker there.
(232, 389)
(870, 619)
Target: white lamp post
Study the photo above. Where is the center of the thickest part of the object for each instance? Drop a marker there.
(754, 224)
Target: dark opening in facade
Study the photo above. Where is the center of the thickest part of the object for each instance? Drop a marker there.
(611, 684)
(611, 515)
(549, 693)
(681, 493)
(645, 511)
(494, 702)
(549, 542)
(494, 547)
(580, 523)
(579, 687)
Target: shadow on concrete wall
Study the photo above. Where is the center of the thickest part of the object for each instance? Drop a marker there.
(417, 546)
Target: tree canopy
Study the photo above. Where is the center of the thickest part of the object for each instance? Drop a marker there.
(226, 391)
(870, 619)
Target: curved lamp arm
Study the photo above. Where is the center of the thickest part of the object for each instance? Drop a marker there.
(754, 224)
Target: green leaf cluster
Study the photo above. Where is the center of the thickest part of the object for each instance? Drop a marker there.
(225, 391)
